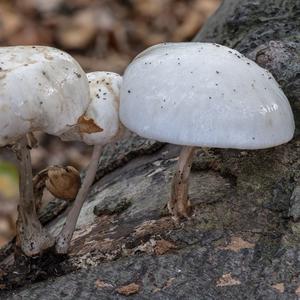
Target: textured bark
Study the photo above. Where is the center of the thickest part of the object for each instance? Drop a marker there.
(243, 240)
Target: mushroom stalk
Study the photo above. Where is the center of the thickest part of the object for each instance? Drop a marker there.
(179, 204)
(33, 238)
(65, 236)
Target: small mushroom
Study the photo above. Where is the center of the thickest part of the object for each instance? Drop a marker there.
(216, 97)
(61, 182)
(44, 89)
(101, 126)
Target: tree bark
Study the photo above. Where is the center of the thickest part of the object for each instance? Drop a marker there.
(243, 240)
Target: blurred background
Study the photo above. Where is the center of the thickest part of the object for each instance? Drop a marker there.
(102, 35)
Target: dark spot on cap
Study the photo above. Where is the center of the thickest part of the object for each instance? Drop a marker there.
(209, 97)
(77, 74)
(44, 73)
(217, 72)
(129, 91)
(253, 138)
(41, 102)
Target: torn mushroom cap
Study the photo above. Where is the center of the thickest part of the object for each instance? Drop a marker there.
(201, 94)
(102, 113)
(41, 88)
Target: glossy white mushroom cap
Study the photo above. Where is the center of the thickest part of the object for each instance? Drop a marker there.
(41, 88)
(202, 94)
(103, 110)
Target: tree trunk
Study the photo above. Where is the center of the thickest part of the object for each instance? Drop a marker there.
(243, 240)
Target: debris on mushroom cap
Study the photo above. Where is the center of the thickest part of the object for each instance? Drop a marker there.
(202, 94)
(42, 88)
(88, 125)
(103, 110)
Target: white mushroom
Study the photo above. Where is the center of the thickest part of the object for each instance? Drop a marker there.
(103, 112)
(39, 85)
(201, 94)
(45, 89)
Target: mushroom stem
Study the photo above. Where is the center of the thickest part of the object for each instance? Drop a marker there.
(179, 204)
(65, 236)
(33, 238)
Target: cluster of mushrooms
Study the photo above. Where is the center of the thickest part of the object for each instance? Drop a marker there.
(189, 94)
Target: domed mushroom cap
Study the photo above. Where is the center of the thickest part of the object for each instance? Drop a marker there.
(41, 88)
(202, 94)
(102, 112)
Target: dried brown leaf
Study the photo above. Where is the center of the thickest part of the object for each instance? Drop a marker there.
(99, 284)
(88, 125)
(227, 280)
(129, 289)
(163, 246)
(236, 244)
(279, 287)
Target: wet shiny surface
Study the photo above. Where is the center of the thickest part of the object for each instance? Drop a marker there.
(103, 109)
(41, 88)
(204, 95)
